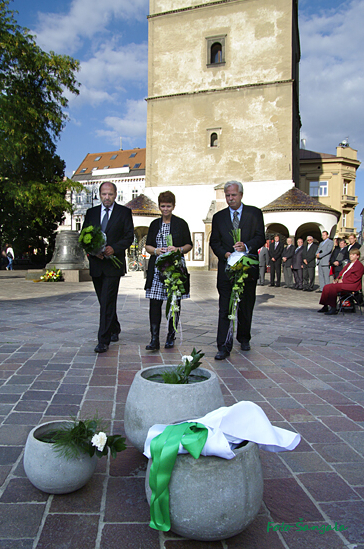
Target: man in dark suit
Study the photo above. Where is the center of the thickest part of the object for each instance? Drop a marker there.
(309, 264)
(275, 260)
(353, 244)
(117, 223)
(287, 255)
(250, 221)
(297, 265)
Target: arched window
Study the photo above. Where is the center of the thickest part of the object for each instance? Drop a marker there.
(216, 53)
(213, 140)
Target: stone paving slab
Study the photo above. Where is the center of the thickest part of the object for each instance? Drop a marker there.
(305, 370)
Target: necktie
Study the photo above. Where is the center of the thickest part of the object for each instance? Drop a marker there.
(275, 247)
(236, 220)
(105, 220)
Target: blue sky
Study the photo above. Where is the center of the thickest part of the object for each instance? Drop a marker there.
(109, 38)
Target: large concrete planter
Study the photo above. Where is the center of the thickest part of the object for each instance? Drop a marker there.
(213, 498)
(149, 402)
(49, 471)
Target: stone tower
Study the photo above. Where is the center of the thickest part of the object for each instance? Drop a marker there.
(223, 95)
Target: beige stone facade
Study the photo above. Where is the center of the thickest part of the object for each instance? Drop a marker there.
(237, 118)
(331, 179)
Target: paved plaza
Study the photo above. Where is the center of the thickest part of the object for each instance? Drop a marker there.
(306, 370)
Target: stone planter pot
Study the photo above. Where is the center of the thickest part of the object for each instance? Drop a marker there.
(149, 402)
(213, 498)
(50, 472)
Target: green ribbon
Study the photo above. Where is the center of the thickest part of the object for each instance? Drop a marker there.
(164, 449)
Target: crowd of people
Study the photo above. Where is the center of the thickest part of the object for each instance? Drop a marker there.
(299, 262)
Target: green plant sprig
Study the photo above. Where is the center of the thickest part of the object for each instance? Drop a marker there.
(75, 438)
(182, 371)
(236, 234)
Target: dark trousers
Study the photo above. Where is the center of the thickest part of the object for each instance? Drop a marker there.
(275, 269)
(106, 288)
(155, 311)
(287, 272)
(298, 277)
(245, 313)
(308, 277)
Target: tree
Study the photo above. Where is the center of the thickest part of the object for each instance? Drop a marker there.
(32, 103)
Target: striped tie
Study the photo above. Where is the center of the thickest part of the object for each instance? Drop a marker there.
(236, 220)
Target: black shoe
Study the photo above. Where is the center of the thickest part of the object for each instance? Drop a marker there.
(271, 285)
(222, 354)
(324, 309)
(169, 342)
(331, 311)
(114, 338)
(245, 346)
(101, 348)
(154, 342)
(277, 285)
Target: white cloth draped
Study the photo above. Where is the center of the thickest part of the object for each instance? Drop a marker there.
(229, 426)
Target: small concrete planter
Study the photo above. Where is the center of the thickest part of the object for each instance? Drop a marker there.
(50, 472)
(213, 498)
(150, 402)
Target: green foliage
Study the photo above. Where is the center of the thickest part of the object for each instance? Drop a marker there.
(74, 438)
(32, 103)
(181, 373)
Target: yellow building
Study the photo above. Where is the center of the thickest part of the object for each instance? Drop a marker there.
(331, 179)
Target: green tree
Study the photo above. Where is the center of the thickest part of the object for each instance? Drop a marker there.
(32, 102)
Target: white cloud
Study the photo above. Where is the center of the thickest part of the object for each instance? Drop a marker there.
(113, 66)
(331, 81)
(65, 33)
(130, 127)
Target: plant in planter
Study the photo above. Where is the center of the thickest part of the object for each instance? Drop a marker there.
(61, 456)
(182, 373)
(152, 400)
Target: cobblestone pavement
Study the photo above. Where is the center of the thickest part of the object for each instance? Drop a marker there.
(305, 370)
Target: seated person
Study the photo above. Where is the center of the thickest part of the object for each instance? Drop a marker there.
(339, 257)
(348, 280)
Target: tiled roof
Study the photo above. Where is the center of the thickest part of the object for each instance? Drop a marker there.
(296, 200)
(105, 160)
(311, 155)
(142, 205)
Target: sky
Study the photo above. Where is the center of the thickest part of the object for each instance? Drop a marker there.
(110, 37)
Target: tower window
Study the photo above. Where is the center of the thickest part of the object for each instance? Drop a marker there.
(215, 50)
(216, 53)
(213, 140)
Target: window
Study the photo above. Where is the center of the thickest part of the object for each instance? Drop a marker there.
(88, 197)
(79, 198)
(137, 166)
(113, 157)
(78, 224)
(216, 53)
(120, 196)
(94, 169)
(344, 220)
(132, 155)
(345, 187)
(213, 140)
(97, 158)
(106, 167)
(319, 188)
(83, 170)
(215, 50)
(126, 166)
(134, 193)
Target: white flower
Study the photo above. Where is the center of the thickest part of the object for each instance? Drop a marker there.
(186, 358)
(99, 441)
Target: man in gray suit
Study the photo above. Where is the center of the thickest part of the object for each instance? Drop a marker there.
(263, 262)
(323, 259)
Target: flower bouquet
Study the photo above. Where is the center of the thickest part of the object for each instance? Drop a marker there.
(172, 267)
(84, 437)
(237, 270)
(93, 241)
(52, 276)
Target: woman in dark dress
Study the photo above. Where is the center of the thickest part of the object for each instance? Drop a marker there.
(156, 245)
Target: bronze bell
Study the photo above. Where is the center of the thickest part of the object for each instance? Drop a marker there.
(68, 253)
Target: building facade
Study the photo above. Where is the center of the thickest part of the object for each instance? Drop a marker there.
(331, 179)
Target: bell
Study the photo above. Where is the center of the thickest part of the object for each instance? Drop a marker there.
(68, 253)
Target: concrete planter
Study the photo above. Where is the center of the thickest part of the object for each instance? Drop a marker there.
(149, 402)
(50, 472)
(213, 498)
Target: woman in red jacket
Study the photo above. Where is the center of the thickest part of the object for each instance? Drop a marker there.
(349, 280)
